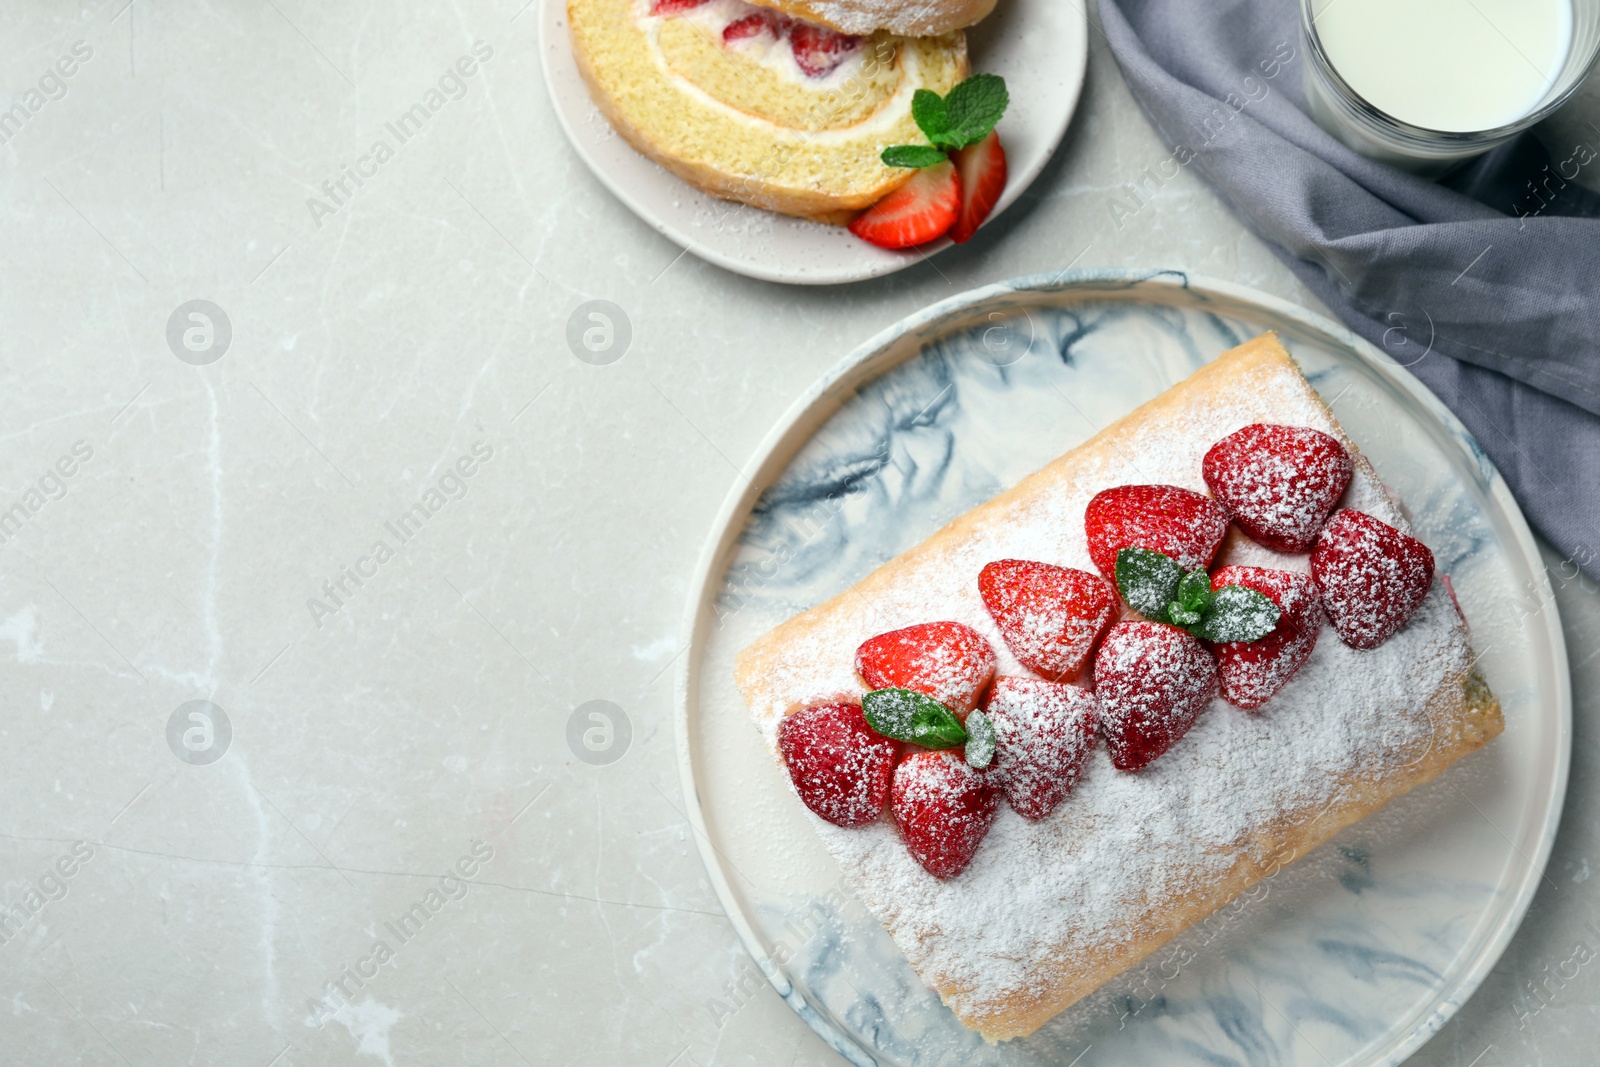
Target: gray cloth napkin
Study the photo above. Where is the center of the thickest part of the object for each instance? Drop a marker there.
(1484, 285)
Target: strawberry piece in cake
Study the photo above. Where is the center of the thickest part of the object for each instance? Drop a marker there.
(818, 50)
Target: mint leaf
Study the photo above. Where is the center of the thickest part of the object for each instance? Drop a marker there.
(980, 740)
(932, 116)
(1237, 614)
(905, 715)
(914, 156)
(1148, 581)
(1179, 615)
(1194, 592)
(972, 108)
(962, 118)
(1193, 597)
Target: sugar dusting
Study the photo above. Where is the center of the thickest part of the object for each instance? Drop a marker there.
(1099, 873)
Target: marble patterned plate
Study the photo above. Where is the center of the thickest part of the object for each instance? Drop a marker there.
(1353, 955)
(1040, 47)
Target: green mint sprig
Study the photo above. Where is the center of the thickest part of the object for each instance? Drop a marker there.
(1157, 587)
(906, 715)
(962, 117)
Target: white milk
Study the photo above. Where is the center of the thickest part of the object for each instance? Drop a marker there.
(1455, 65)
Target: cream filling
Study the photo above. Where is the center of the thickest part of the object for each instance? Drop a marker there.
(773, 53)
(777, 55)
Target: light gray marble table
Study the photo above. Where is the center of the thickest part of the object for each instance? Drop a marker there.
(393, 725)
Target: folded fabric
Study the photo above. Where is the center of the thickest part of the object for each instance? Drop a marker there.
(1483, 285)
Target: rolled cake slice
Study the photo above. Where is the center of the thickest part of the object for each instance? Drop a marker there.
(1048, 911)
(912, 18)
(751, 106)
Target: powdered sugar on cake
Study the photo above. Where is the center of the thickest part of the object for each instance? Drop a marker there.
(1092, 880)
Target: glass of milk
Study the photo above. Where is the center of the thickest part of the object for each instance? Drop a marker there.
(1426, 84)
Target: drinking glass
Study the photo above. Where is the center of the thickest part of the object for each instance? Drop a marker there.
(1343, 112)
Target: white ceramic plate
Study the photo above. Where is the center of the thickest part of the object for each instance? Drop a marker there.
(1040, 47)
(1362, 949)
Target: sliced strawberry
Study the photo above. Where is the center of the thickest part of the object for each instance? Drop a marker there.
(1044, 732)
(1371, 576)
(762, 23)
(943, 808)
(1152, 681)
(1250, 672)
(674, 7)
(818, 49)
(1162, 518)
(947, 661)
(1278, 483)
(1050, 616)
(923, 208)
(983, 179)
(840, 767)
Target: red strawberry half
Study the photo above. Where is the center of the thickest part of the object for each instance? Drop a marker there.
(947, 661)
(943, 808)
(838, 765)
(762, 23)
(1250, 672)
(983, 179)
(1044, 732)
(1278, 483)
(674, 7)
(1152, 681)
(1163, 518)
(1050, 616)
(1371, 577)
(923, 208)
(818, 49)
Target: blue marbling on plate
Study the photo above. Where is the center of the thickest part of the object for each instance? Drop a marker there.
(1352, 955)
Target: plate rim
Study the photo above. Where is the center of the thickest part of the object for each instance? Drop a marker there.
(552, 22)
(871, 359)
